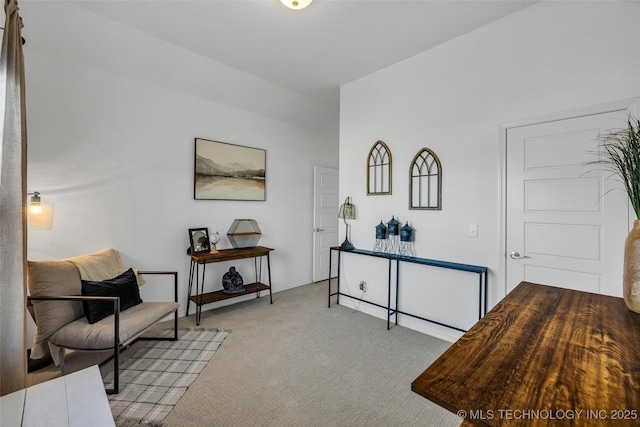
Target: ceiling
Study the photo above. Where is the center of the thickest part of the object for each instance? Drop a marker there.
(311, 51)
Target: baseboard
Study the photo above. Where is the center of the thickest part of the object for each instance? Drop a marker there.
(427, 328)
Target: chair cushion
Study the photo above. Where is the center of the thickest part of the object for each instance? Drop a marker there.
(82, 335)
(124, 286)
(54, 278)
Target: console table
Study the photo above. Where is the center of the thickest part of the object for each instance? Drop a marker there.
(200, 261)
(394, 310)
(543, 356)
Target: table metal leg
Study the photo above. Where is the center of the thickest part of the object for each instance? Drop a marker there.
(389, 298)
(269, 276)
(200, 292)
(397, 289)
(338, 279)
(192, 267)
(329, 293)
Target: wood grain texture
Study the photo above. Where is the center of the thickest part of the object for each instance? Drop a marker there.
(543, 353)
(230, 254)
(211, 297)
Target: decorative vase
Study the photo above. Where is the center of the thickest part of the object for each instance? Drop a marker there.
(631, 276)
(232, 282)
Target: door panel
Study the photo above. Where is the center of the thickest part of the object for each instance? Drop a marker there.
(566, 221)
(575, 280)
(559, 240)
(325, 220)
(563, 195)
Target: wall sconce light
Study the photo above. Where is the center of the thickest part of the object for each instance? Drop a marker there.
(296, 4)
(347, 211)
(39, 215)
(36, 206)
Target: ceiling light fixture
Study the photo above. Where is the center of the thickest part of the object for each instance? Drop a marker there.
(296, 4)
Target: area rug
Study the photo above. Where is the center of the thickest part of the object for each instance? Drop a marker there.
(156, 376)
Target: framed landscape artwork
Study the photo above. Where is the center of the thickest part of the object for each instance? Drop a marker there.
(228, 172)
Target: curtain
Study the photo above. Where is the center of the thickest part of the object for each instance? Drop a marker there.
(13, 194)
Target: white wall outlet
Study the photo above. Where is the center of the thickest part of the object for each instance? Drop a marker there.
(473, 231)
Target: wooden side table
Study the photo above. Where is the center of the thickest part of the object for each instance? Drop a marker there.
(75, 400)
(196, 277)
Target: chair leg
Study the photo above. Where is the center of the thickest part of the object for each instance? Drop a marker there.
(116, 355)
(116, 372)
(61, 359)
(175, 326)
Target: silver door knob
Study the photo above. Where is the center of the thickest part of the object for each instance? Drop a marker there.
(516, 255)
(318, 229)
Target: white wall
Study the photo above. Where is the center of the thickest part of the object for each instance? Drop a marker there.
(112, 117)
(550, 57)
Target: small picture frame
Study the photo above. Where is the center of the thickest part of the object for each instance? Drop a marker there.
(199, 238)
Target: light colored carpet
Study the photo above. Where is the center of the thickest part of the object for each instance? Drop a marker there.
(299, 363)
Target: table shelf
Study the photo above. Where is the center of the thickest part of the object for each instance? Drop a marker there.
(200, 261)
(211, 297)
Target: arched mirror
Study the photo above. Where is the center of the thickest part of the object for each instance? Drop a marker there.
(425, 181)
(379, 169)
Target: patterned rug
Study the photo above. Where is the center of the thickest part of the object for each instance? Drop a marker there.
(154, 378)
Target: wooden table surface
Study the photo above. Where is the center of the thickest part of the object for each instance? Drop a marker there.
(74, 400)
(544, 356)
(229, 254)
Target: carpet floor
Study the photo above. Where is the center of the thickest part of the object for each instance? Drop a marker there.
(297, 362)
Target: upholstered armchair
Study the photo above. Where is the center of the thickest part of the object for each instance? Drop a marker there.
(91, 303)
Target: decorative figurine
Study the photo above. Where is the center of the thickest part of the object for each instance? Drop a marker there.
(393, 246)
(406, 241)
(215, 238)
(244, 233)
(232, 282)
(381, 238)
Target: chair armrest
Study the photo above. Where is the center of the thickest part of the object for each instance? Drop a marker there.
(116, 301)
(71, 298)
(175, 280)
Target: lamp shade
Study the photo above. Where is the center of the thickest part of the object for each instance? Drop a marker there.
(348, 210)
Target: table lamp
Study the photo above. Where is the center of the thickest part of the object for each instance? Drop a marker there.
(347, 211)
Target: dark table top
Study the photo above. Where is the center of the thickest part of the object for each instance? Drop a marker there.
(543, 356)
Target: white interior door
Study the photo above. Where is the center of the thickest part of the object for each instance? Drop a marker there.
(565, 223)
(325, 220)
